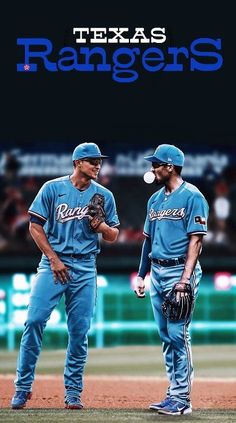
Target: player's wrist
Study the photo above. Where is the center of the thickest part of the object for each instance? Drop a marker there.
(185, 280)
(140, 277)
(103, 226)
(52, 257)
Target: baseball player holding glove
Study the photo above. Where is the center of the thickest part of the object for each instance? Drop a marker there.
(174, 228)
(66, 217)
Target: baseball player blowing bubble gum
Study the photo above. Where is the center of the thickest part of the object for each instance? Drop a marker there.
(175, 224)
(66, 217)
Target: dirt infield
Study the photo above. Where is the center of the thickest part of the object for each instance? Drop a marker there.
(122, 392)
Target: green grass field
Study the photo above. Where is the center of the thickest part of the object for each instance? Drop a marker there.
(210, 361)
(116, 416)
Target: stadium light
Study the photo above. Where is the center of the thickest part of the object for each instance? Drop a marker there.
(222, 281)
(20, 282)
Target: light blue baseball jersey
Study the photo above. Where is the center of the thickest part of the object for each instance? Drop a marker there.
(64, 208)
(172, 218)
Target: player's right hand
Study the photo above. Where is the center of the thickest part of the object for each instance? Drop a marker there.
(139, 287)
(60, 271)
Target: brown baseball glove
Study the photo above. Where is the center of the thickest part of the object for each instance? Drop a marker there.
(96, 211)
(179, 302)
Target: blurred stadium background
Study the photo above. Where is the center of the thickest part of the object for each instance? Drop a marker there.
(120, 318)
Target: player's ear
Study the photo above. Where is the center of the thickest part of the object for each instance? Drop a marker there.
(75, 163)
(78, 163)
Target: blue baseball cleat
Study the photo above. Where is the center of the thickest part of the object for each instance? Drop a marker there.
(20, 399)
(159, 405)
(73, 402)
(175, 408)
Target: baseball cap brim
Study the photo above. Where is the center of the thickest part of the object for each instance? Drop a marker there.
(96, 157)
(91, 156)
(153, 159)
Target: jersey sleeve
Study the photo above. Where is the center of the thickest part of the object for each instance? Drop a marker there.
(145, 263)
(41, 204)
(146, 229)
(197, 215)
(111, 219)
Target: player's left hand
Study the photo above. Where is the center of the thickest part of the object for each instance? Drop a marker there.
(182, 290)
(139, 287)
(179, 302)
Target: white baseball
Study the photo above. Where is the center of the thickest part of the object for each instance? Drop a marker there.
(149, 177)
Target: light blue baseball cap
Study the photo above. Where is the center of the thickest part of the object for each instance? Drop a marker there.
(87, 150)
(167, 153)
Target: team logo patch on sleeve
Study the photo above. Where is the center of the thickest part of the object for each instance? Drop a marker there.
(200, 219)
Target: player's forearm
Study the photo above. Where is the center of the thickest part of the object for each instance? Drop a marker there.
(109, 234)
(40, 239)
(194, 249)
(144, 265)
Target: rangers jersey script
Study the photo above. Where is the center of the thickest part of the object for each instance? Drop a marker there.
(64, 208)
(172, 218)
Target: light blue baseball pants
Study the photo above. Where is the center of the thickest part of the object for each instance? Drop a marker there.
(175, 337)
(80, 298)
